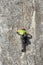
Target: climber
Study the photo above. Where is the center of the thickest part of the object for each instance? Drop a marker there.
(24, 38)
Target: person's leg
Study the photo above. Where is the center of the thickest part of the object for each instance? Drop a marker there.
(23, 48)
(23, 43)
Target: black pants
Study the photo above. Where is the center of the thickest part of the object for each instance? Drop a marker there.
(24, 43)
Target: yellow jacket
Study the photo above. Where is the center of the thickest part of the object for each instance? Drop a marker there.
(21, 32)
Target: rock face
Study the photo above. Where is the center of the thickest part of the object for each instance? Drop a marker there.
(15, 14)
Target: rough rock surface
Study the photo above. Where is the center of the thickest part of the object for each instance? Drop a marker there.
(17, 14)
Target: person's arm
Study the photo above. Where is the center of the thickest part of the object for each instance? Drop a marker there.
(29, 36)
(18, 33)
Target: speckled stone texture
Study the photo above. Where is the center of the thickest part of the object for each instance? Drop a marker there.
(15, 14)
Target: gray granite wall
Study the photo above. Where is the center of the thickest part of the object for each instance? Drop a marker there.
(15, 14)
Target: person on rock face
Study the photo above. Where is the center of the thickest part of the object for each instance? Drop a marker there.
(25, 36)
